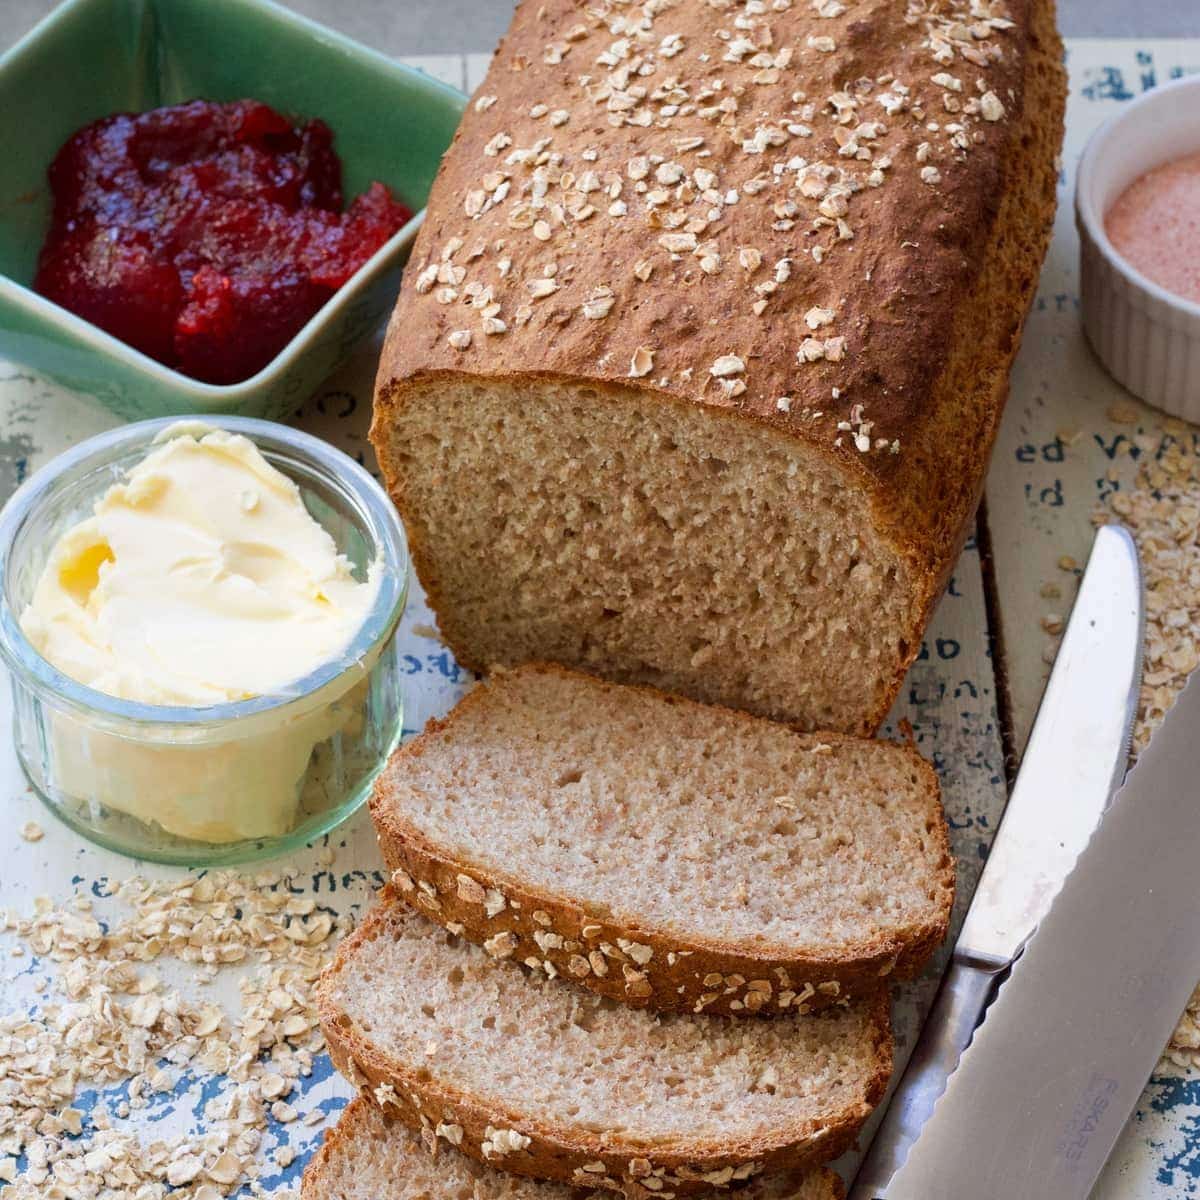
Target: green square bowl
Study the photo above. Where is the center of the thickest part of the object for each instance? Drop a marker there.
(91, 58)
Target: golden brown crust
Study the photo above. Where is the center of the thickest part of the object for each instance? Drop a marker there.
(613, 954)
(336, 1141)
(339, 1141)
(937, 486)
(930, 292)
(408, 1093)
(919, 243)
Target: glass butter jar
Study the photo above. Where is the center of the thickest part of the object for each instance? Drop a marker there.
(249, 779)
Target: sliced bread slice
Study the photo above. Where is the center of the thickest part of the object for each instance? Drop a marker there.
(367, 1156)
(667, 853)
(556, 1083)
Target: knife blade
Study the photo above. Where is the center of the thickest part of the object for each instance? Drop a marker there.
(1065, 1049)
(1075, 757)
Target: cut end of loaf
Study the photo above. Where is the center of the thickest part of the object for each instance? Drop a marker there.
(369, 1157)
(649, 541)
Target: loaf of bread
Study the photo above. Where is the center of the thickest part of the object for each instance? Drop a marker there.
(697, 365)
(527, 1074)
(366, 1156)
(669, 854)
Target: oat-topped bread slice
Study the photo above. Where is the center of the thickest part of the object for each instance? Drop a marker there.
(367, 1156)
(557, 1083)
(699, 359)
(668, 853)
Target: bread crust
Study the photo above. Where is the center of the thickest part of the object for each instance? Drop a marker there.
(611, 1161)
(643, 966)
(952, 268)
(821, 1184)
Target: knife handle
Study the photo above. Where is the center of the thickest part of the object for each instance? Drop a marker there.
(965, 992)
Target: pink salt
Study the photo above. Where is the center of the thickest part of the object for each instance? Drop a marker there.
(1155, 226)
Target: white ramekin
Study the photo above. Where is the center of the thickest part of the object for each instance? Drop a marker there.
(1148, 339)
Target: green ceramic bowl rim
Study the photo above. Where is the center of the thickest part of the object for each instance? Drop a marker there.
(33, 672)
(224, 395)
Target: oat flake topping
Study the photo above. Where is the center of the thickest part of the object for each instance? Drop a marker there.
(747, 152)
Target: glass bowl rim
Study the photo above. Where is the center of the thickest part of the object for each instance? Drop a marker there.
(335, 467)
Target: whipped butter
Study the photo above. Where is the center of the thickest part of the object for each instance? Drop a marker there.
(201, 579)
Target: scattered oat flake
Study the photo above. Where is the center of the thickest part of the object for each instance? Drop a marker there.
(642, 362)
(599, 304)
(678, 243)
(31, 831)
(143, 1035)
(726, 366)
(990, 107)
(1160, 506)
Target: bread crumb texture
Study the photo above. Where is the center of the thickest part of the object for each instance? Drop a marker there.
(544, 1079)
(369, 1157)
(695, 373)
(636, 842)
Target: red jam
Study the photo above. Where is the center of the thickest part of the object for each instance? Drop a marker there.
(206, 234)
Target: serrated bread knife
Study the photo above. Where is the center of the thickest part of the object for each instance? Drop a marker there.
(1064, 1052)
(1074, 760)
